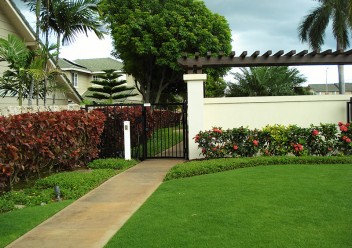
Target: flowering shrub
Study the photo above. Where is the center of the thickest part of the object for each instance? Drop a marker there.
(276, 140)
(345, 137)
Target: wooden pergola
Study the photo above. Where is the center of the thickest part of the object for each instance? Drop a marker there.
(197, 63)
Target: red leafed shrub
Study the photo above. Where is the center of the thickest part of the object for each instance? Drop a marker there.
(32, 143)
(112, 139)
(166, 118)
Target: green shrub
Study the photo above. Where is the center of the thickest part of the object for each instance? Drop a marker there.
(276, 140)
(201, 167)
(112, 163)
(6, 205)
(75, 184)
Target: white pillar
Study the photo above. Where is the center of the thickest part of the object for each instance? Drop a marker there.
(195, 93)
(127, 139)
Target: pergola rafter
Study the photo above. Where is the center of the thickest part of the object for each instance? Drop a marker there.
(291, 58)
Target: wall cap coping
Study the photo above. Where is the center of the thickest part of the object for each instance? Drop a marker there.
(194, 77)
(277, 99)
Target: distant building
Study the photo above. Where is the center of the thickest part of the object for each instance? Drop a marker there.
(329, 89)
(81, 72)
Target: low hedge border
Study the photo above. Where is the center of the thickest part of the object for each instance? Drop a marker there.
(202, 167)
(112, 163)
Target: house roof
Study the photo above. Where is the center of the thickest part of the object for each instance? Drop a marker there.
(91, 65)
(66, 64)
(329, 87)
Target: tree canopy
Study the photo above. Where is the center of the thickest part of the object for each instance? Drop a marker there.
(149, 36)
(266, 81)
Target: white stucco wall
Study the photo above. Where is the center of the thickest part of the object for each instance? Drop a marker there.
(257, 112)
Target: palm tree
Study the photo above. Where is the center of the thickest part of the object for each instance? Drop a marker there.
(14, 51)
(266, 81)
(312, 28)
(69, 18)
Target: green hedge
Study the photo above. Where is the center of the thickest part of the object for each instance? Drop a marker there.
(201, 167)
(112, 163)
(276, 140)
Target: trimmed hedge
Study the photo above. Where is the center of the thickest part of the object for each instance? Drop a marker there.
(202, 167)
(112, 163)
(47, 141)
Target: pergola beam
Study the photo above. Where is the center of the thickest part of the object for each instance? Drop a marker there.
(327, 57)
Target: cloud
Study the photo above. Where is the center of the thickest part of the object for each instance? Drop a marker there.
(256, 25)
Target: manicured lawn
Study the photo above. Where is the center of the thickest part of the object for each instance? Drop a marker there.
(271, 206)
(16, 223)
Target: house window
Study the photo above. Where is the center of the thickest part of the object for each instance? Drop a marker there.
(75, 79)
(95, 78)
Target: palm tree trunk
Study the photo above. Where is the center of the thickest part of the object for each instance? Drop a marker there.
(30, 96)
(37, 13)
(341, 71)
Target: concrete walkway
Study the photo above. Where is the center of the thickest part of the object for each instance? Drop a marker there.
(93, 219)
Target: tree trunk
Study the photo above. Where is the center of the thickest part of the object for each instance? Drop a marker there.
(30, 93)
(37, 13)
(341, 72)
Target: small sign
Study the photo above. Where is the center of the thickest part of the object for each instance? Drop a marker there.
(147, 104)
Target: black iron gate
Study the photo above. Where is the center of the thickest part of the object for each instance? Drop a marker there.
(157, 130)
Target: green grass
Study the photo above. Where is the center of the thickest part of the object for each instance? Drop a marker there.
(271, 206)
(16, 223)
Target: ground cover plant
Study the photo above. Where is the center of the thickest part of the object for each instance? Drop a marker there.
(273, 206)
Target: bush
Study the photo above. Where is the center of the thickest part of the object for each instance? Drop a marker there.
(75, 184)
(276, 140)
(47, 141)
(112, 163)
(202, 167)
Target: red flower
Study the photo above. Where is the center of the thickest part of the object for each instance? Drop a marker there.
(344, 137)
(196, 138)
(348, 140)
(255, 142)
(217, 130)
(235, 147)
(204, 150)
(298, 147)
(340, 123)
(343, 128)
(214, 149)
(315, 132)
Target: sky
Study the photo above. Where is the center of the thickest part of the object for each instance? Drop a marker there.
(255, 25)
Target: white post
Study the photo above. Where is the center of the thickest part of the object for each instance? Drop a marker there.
(127, 139)
(195, 93)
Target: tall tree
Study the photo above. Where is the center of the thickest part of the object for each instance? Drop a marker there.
(312, 28)
(266, 81)
(149, 36)
(110, 87)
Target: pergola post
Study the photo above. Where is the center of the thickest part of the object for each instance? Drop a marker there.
(195, 86)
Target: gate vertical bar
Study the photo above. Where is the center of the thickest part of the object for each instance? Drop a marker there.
(185, 129)
(144, 131)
